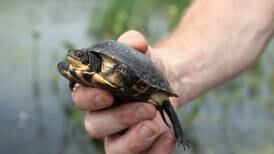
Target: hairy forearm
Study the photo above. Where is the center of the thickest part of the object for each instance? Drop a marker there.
(216, 40)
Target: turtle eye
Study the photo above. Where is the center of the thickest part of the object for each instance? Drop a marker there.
(79, 53)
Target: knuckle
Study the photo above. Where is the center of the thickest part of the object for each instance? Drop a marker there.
(150, 111)
(134, 147)
(98, 99)
(128, 115)
(79, 98)
(101, 100)
(125, 118)
(137, 143)
(144, 112)
(132, 114)
(81, 103)
(91, 99)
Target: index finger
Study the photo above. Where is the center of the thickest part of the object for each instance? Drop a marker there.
(91, 99)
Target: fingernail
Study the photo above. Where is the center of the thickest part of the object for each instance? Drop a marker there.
(76, 86)
(146, 132)
(141, 111)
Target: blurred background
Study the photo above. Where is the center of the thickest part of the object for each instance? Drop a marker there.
(36, 111)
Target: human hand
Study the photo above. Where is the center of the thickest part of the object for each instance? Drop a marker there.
(145, 130)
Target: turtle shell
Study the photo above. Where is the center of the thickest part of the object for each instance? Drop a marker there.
(138, 63)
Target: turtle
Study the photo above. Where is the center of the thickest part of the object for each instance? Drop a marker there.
(127, 73)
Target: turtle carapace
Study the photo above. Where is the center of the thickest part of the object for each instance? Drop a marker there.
(125, 72)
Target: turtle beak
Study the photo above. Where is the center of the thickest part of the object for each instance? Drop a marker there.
(63, 68)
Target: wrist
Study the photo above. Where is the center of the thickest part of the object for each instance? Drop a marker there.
(167, 60)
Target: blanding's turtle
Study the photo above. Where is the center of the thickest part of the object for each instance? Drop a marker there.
(125, 72)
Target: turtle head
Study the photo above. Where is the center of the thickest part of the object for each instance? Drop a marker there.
(79, 64)
(78, 59)
(84, 60)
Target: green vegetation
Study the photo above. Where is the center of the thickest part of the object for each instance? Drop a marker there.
(262, 150)
(121, 15)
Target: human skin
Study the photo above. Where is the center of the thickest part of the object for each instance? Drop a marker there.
(215, 41)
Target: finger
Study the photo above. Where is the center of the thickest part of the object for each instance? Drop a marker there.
(110, 121)
(135, 40)
(164, 144)
(135, 140)
(91, 99)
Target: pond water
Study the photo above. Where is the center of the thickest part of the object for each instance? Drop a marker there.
(32, 35)
(35, 101)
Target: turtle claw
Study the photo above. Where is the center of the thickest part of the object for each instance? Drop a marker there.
(185, 143)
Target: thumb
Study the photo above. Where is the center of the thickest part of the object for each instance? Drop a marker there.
(135, 40)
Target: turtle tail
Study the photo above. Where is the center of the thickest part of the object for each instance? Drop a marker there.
(167, 107)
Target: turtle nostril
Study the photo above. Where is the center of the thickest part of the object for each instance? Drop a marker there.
(70, 50)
